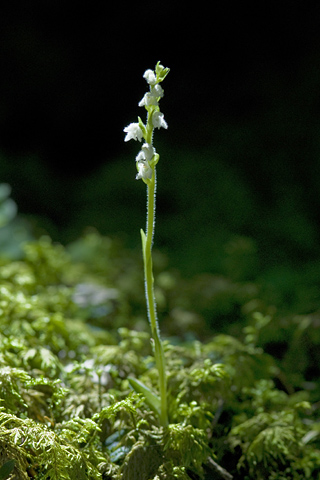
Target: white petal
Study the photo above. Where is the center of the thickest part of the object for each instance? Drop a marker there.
(144, 171)
(157, 91)
(149, 75)
(158, 120)
(148, 151)
(148, 100)
(133, 131)
(140, 157)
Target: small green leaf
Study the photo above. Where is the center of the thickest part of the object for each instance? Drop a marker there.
(6, 469)
(143, 238)
(152, 400)
(144, 241)
(143, 127)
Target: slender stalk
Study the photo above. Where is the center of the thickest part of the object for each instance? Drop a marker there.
(146, 162)
(151, 304)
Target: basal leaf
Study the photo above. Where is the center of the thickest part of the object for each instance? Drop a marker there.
(152, 400)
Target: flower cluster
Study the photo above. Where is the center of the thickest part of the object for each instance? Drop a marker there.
(147, 158)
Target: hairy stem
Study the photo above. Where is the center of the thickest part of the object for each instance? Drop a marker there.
(151, 305)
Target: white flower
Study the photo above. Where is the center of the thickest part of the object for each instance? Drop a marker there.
(148, 151)
(150, 76)
(133, 131)
(158, 120)
(140, 157)
(148, 99)
(146, 154)
(151, 98)
(157, 91)
(144, 170)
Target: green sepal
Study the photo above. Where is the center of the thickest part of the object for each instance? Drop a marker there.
(154, 160)
(152, 400)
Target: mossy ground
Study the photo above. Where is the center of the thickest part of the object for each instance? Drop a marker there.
(242, 374)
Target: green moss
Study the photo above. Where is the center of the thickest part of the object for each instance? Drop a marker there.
(73, 330)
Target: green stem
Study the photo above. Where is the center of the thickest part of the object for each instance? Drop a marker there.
(149, 288)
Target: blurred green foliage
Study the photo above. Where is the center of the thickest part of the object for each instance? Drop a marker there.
(13, 230)
(74, 328)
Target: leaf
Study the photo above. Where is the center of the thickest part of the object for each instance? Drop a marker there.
(142, 462)
(6, 469)
(152, 400)
(143, 127)
(144, 241)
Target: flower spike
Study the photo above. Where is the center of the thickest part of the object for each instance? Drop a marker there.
(146, 162)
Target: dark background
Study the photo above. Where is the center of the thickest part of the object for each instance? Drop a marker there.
(240, 157)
